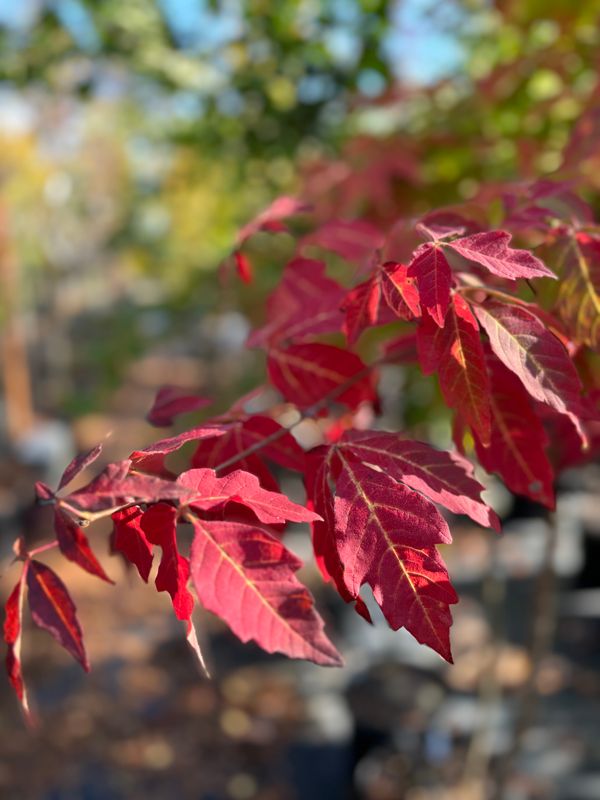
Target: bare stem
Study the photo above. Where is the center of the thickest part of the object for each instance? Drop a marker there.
(43, 547)
(93, 516)
(509, 298)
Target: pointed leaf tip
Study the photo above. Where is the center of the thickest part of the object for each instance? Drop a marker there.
(53, 610)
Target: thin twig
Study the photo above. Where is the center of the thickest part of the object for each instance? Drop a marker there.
(93, 516)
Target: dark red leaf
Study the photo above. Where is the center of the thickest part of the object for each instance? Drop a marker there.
(306, 373)
(151, 458)
(53, 610)
(170, 402)
(246, 576)
(520, 340)
(252, 431)
(320, 495)
(77, 465)
(74, 545)
(354, 240)
(491, 250)
(114, 486)
(455, 352)
(386, 537)
(519, 444)
(13, 622)
(159, 524)
(130, 539)
(304, 304)
(433, 473)
(387, 295)
(432, 272)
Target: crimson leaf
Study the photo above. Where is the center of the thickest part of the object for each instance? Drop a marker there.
(523, 344)
(207, 491)
(434, 278)
(151, 458)
(253, 431)
(53, 610)
(130, 539)
(433, 473)
(159, 524)
(323, 530)
(386, 536)
(170, 402)
(246, 576)
(456, 353)
(13, 623)
(518, 447)
(491, 250)
(387, 295)
(74, 545)
(306, 373)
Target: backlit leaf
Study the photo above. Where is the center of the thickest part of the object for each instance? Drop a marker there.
(432, 272)
(519, 444)
(524, 345)
(491, 250)
(578, 300)
(306, 373)
(455, 352)
(207, 491)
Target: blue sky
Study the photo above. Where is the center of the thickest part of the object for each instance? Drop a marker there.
(418, 47)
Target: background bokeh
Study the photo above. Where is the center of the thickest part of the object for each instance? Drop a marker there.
(135, 139)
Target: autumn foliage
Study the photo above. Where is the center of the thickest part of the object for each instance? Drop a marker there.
(505, 313)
